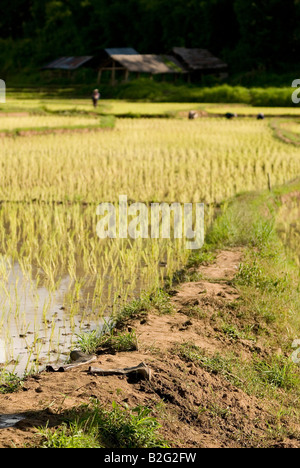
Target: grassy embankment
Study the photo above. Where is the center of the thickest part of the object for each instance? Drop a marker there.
(145, 89)
(143, 98)
(287, 130)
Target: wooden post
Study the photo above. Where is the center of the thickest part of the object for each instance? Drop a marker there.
(269, 182)
(99, 76)
(113, 74)
(126, 75)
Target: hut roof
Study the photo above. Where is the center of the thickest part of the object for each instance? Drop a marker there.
(154, 64)
(199, 59)
(121, 51)
(67, 63)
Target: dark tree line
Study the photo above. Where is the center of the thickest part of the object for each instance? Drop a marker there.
(248, 34)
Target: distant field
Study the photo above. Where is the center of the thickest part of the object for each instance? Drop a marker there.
(46, 121)
(21, 103)
(289, 223)
(28, 103)
(218, 157)
(242, 109)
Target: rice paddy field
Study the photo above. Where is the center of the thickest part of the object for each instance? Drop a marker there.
(57, 278)
(289, 225)
(36, 121)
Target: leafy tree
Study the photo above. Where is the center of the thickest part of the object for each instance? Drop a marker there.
(249, 34)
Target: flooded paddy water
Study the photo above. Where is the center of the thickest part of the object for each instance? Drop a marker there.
(39, 326)
(35, 326)
(58, 280)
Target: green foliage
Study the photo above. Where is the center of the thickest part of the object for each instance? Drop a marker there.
(241, 223)
(248, 35)
(94, 426)
(151, 90)
(9, 382)
(264, 37)
(231, 331)
(94, 341)
(253, 275)
(89, 342)
(118, 342)
(158, 300)
(280, 372)
(216, 364)
(72, 435)
(107, 121)
(200, 257)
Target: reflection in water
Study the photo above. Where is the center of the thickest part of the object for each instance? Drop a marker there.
(2, 351)
(35, 327)
(10, 420)
(39, 319)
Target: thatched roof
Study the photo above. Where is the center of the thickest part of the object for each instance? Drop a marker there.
(121, 51)
(67, 63)
(154, 64)
(199, 59)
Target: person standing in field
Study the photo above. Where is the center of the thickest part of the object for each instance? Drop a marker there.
(95, 97)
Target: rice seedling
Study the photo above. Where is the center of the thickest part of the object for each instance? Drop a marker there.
(288, 226)
(111, 342)
(9, 382)
(34, 122)
(158, 155)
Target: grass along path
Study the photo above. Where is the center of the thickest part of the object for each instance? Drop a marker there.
(27, 125)
(287, 131)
